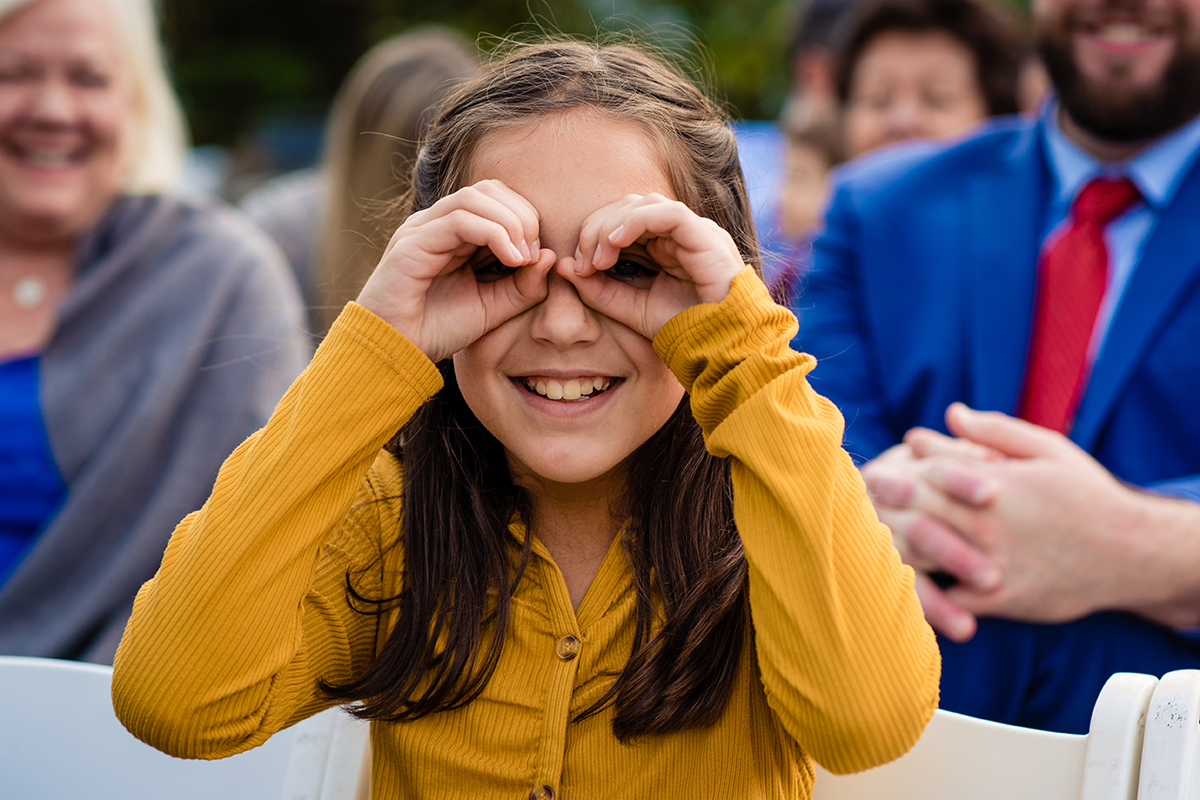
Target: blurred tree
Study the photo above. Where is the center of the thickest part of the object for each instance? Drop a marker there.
(237, 63)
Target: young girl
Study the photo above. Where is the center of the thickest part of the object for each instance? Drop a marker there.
(544, 586)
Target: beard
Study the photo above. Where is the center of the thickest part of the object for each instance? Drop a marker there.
(1103, 107)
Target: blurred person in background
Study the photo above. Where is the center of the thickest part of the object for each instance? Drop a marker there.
(925, 69)
(901, 70)
(1046, 272)
(775, 176)
(814, 147)
(812, 58)
(141, 337)
(334, 222)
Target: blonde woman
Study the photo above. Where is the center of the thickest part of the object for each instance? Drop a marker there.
(141, 337)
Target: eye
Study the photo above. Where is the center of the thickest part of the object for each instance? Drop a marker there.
(16, 73)
(489, 270)
(637, 272)
(87, 77)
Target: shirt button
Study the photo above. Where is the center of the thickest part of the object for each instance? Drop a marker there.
(542, 793)
(567, 648)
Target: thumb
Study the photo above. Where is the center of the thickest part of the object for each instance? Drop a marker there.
(1010, 436)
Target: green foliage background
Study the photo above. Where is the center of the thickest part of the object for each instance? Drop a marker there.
(237, 63)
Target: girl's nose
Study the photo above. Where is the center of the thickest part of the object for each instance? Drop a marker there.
(562, 319)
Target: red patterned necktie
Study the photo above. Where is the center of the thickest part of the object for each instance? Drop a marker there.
(1071, 280)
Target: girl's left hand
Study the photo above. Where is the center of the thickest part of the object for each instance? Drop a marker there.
(658, 258)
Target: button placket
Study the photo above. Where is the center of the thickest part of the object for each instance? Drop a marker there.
(542, 793)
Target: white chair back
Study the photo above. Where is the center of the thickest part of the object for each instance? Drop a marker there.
(60, 740)
(1171, 748)
(963, 757)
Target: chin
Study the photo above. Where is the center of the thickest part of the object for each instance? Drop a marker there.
(546, 466)
(47, 219)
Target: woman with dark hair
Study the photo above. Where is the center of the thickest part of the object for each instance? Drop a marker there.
(615, 546)
(926, 69)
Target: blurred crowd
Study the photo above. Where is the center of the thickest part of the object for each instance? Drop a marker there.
(146, 331)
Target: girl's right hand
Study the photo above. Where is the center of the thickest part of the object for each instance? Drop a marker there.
(460, 268)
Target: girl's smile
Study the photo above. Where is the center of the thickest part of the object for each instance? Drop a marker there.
(568, 391)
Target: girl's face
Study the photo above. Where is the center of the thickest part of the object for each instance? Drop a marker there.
(569, 392)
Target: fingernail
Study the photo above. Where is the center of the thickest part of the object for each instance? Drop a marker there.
(986, 578)
(578, 255)
(537, 247)
(616, 234)
(516, 254)
(981, 492)
(598, 253)
(960, 630)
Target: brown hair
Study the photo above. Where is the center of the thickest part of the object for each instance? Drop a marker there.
(681, 544)
(992, 34)
(374, 129)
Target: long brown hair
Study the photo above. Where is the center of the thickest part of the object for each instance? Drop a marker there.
(461, 566)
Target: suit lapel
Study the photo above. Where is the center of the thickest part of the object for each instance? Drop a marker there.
(1006, 213)
(1170, 261)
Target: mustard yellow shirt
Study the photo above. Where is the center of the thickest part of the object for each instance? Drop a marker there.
(249, 607)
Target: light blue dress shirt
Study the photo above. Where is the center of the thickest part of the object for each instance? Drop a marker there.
(1157, 172)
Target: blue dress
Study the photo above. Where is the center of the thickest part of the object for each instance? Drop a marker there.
(31, 488)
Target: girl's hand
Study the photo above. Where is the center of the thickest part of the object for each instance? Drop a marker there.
(458, 269)
(657, 256)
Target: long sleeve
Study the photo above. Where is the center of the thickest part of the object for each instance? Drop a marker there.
(848, 663)
(249, 607)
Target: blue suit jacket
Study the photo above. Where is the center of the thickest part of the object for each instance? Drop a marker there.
(921, 293)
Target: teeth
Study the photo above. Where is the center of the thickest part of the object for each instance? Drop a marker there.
(1123, 33)
(48, 158)
(571, 390)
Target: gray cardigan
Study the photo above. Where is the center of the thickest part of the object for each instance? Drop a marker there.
(182, 331)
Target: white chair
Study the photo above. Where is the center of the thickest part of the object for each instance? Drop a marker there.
(962, 757)
(60, 740)
(1171, 748)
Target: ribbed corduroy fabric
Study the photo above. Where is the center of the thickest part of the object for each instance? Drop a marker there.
(249, 607)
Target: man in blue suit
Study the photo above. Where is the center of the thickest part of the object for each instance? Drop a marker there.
(1048, 555)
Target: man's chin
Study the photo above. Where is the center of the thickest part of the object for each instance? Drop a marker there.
(1119, 108)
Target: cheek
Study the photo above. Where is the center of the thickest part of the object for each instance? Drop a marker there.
(958, 116)
(662, 395)
(474, 369)
(12, 99)
(113, 121)
(862, 129)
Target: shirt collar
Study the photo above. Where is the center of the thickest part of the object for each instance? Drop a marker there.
(1157, 170)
